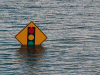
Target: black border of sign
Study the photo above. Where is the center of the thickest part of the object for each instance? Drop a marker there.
(25, 27)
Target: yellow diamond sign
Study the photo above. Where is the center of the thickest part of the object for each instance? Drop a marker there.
(31, 35)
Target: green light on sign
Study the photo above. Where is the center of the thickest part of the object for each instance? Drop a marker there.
(30, 43)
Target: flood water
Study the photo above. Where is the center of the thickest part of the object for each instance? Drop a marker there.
(73, 31)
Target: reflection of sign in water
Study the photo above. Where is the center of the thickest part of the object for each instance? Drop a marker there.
(31, 54)
(31, 35)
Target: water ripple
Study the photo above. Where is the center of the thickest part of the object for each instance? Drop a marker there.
(72, 47)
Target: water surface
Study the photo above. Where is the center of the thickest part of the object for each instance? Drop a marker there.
(73, 31)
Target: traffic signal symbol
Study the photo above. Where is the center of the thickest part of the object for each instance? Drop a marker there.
(31, 36)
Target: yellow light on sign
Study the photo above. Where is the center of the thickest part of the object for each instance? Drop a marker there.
(31, 37)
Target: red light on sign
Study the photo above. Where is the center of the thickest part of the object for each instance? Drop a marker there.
(31, 30)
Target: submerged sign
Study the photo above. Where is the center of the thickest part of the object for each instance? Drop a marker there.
(31, 35)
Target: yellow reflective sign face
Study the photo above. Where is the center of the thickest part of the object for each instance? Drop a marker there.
(22, 36)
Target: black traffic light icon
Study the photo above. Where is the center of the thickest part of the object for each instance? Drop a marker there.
(31, 36)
